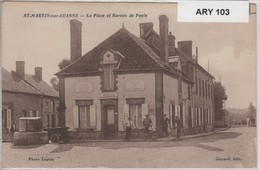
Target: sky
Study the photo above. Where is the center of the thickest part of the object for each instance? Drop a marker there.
(227, 50)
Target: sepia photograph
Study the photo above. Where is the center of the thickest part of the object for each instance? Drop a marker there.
(126, 85)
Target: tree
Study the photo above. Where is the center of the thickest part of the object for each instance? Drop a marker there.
(252, 113)
(65, 62)
(219, 98)
(54, 80)
(55, 83)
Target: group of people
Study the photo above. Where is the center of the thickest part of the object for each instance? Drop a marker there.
(147, 125)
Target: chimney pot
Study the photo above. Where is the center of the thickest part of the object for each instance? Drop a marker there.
(38, 73)
(20, 69)
(75, 39)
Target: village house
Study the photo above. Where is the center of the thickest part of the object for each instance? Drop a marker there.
(129, 76)
(26, 95)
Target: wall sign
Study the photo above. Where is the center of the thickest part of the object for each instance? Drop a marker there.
(108, 95)
(135, 85)
(84, 88)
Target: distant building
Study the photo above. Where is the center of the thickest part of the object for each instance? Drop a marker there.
(27, 95)
(127, 76)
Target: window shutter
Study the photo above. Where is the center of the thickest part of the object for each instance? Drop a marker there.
(31, 113)
(75, 117)
(9, 118)
(144, 110)
(170, 117)
(93, 116)
(37, 114)
(126, 111)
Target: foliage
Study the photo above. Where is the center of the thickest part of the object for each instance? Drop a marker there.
(54, 80)
(65, 62)
(252, 113)
(219, 98)
(55, 83)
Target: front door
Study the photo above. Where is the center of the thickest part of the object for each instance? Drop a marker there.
(110, 127)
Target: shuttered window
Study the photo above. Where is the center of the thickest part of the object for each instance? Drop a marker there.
(135, 113)
(85, 115)
(109, 80)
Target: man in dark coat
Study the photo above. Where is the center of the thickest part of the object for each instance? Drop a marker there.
(179, 126)
(147, 123)
(164, 125)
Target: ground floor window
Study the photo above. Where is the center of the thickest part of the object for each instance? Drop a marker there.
(6, 118)
(84, 117)
(84, 114)
(172, 115)
(135, 113)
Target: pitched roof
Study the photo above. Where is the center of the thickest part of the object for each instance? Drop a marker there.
(138, 55)
(41, 86)
(12, 83)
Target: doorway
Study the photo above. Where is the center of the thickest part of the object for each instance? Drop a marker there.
(110, 122)
(109, 118)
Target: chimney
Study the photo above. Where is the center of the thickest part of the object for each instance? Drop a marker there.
(171, 44)
(75, 39)
(186, 47)
(164, 39)
(20, 69)
(38, 73)
(145, 27)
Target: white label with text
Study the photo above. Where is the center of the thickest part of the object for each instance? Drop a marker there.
(213, 11)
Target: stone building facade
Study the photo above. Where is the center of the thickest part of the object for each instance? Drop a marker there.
(129, 76)
(26, 95)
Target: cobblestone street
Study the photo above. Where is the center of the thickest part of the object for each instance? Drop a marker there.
(233, 148)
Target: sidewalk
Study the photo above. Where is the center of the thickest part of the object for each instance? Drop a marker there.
(142, 140)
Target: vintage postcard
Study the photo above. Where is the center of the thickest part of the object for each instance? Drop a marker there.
(127, 85)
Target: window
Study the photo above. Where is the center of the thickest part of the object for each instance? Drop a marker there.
(47, 120)
(4, 118)
(202, 88)
(208, 91)
(172, 115)
(196, 85)
(189, 92)
(86, 114)
(135, 113)
(33, 113)
(179, 85)
(199, 86)
(84, 117)
(52, 106)
(198, 117)
(53, 120)
(108, 77)
(181, 114)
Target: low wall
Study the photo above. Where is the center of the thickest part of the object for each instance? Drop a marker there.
(30, 138)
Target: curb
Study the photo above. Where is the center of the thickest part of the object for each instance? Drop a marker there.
(142, 140)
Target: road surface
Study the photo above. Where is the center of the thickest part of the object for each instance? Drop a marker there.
(233, 148)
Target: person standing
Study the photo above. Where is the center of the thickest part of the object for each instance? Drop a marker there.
(12, 130)
(179, 126)
(129, 124)
(147, 123)
(164, 125)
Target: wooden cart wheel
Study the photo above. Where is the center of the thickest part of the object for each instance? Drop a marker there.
(55, 138)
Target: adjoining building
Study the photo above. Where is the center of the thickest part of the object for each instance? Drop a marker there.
(27, 96)
(129, 76)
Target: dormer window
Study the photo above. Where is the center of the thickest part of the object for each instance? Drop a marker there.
(109, 61)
